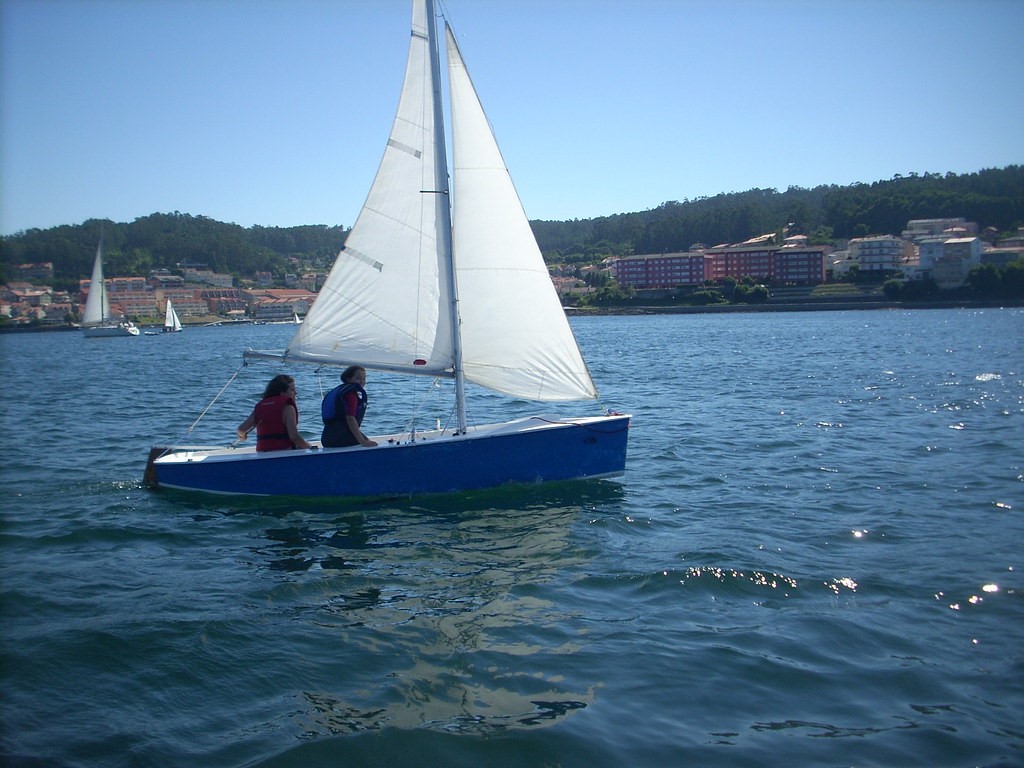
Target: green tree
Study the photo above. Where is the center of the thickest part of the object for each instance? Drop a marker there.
(706, 296)
(1013, 280)
(985, 282)
(758, 295)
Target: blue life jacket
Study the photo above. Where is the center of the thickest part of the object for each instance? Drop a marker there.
(332, 409)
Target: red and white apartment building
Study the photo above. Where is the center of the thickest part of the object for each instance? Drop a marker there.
(790, 264)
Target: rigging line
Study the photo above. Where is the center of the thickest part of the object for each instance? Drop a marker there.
(320, 379)
(419, 406)
(216, 397)
(441, 10)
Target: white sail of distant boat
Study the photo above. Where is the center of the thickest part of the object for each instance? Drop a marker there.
(171, 322)
(296, 320)
(441, 282)
(97, 320)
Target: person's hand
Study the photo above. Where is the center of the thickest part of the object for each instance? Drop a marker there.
(241, 435)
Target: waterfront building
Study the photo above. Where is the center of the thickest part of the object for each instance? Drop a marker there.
(929, 250)
(918, 229)
(30, 296)
(739, 261)
(664, 271)
(799, 265)
(1001, 257)
(759, 258)
(208, 277)
(126, 284)
(839, 263)
(187, 301)
(277, 304)
(33, 273)
(118, 285)
(881, 253)
(136, 304)
(278, 310)
(762, 260)
(959, 256)
(162, 278)
(221, 301)
(570, 286)
(1016, 241)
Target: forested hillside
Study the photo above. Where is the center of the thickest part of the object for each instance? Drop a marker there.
(166, 240)
(992, 198)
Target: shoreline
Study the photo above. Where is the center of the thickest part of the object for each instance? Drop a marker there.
(195, 322)
(656, 309)
(794, 306)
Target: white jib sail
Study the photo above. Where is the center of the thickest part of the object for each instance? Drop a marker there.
(97, 305)
(386, 303)
(515, 336)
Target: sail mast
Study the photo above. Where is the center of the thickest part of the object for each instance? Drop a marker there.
(105, 303)
(441, 163)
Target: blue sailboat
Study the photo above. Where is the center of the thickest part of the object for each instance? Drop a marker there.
(433, 281)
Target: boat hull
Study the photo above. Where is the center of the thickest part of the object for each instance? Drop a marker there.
(536, 449)
(103, 331)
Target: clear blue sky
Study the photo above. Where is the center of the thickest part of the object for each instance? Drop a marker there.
(275, 113)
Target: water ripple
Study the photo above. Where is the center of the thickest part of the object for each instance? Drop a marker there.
(816, 546)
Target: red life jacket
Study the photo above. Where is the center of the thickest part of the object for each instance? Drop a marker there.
(271, 433)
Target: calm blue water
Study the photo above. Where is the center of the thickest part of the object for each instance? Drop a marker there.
(814, 558)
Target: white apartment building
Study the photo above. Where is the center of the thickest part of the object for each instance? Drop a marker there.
(929, 251)
(918, 229)
(959, 256)
(881, 253)
(208, 277)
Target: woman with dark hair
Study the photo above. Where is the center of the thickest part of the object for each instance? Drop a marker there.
(343, 409)
(276, 418)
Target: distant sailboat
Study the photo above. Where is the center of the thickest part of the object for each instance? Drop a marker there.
(97, 320)
(296, 320)
(171, 322)
(436, 282)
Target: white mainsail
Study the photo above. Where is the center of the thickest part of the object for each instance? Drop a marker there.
(97, 305)
(385, 304)
(428, 286)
